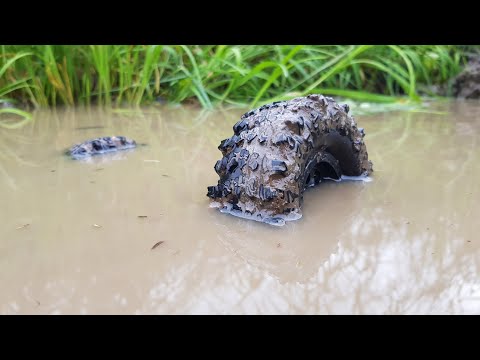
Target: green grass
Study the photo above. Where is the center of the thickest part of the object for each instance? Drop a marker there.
(212, 75)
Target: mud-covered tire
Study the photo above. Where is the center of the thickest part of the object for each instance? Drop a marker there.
(280, 149)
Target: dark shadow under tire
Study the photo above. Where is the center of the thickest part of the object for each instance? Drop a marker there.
(280, 149)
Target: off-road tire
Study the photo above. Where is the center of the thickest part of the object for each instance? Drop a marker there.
(280, 149)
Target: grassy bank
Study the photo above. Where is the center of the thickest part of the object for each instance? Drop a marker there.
(211, 75)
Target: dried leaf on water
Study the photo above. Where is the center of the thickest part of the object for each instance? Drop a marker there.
(23, 226)
(157, 244)
(89, 127)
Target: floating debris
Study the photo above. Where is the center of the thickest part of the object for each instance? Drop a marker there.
(23, 226)
(142, 216)
(157, 244)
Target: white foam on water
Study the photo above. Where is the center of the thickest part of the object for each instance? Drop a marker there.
(357, 178)
(363, 178)
(277, 220)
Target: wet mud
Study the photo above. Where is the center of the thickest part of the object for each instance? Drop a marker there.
(467, 84)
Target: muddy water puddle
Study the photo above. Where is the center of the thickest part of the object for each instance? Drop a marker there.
(132, 232)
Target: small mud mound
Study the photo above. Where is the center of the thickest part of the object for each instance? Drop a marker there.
(280, 149)
(100, 146)
(467, 84)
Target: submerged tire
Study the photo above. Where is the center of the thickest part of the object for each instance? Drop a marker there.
(280, 149)
(100, 146)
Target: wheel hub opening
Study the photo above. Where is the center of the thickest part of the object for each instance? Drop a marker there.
(322, 170)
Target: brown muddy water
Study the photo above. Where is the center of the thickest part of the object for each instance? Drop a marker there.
(405, 243)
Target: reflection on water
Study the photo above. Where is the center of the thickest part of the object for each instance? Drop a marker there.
(404, 243)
